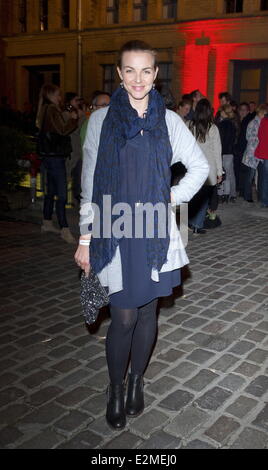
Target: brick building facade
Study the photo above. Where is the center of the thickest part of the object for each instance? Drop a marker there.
(213, 45)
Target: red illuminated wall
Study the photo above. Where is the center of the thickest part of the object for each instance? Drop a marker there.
(195, 68)
(206, 66)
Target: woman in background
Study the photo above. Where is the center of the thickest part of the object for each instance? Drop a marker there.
(50, 119)
(207, 135)
(226, 126)
(74, 163)
(249, 161)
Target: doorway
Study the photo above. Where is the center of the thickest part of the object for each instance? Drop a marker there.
(250, 81)
(38, 75)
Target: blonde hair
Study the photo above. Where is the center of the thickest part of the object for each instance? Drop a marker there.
(228, 110)
(262, 109)
(45, 94)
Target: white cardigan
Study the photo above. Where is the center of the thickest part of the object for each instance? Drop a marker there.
(185, 150)
(213, 151)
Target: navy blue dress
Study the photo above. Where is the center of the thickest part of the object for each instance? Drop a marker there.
(138, 287)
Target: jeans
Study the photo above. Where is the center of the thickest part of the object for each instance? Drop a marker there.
(263, 182)
(76, 179)
(249, 174)
(228, 188)
(56, 186)
(237, 170)
(198, 207)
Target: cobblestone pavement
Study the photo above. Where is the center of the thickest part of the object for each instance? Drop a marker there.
(207, 383)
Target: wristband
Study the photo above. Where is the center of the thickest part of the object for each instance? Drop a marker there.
(84, 242)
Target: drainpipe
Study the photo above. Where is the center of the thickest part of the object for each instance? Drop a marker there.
(79, 47)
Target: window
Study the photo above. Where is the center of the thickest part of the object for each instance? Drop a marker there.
(65, 13)
(140, 10)
(23, 15)
(109, 77)
(250, 81)
(233, 6)
(264, 5)
(43, 15)
(165, 74)
(112, 11)
(169, 9)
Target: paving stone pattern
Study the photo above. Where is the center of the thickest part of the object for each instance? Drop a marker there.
(207, 384)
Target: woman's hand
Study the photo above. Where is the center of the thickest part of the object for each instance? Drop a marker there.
(82, 258)
(172, 198)
(219, 179)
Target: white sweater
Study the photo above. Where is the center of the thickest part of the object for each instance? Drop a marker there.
(185, 150)
(213, 152)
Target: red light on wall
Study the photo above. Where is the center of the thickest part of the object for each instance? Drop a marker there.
(223, 56)
(195, 69)
(207, 66)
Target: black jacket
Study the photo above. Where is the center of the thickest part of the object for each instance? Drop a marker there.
(228, 135)
(242, 139)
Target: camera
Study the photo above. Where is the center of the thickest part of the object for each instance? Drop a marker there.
(70, 108)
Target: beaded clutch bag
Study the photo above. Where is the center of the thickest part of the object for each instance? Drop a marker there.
(93, 296)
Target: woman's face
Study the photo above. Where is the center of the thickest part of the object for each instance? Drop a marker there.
(56, 98)
(138, 73)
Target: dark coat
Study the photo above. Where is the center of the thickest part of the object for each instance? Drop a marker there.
(228, 135)
(54, 121)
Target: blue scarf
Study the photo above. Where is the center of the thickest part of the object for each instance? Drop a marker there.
(122, 123)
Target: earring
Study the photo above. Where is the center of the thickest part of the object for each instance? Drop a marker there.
(122, 85)
(153, 86)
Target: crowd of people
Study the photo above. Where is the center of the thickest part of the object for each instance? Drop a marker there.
(234, 140)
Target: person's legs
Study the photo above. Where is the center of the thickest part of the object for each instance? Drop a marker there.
(50, 189)
(263, 182)
(249, 174)
(50, 192)
(143, 337)
(76, 180)
(228, 166)
(213, 200)
(61, 183)
(142, 343)
(118, 341)
(199, 207)
(232, 177)
(242, 178)
(224, 188)
(118, 344)
(237, 163)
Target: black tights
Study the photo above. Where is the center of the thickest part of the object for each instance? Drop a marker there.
(131, 330)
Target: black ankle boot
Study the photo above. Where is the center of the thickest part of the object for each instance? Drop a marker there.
(135, 399)
(115, 414)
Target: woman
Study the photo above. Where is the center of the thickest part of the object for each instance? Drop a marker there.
(250, 163)
(227, 190)
(74, 163)
(207, 135)
(262, 154)
(128, 152)
(50, 119)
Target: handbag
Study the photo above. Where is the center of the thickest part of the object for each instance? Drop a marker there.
(51, 144)
(93, 296)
